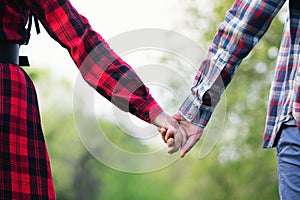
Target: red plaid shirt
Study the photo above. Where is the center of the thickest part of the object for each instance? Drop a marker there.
(24, 163)
(100, 66)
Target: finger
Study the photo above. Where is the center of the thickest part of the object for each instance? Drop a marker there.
(169, 134)
(180, 140)
(189, 145)
(163, 138)
(173, 149)
(184, 139)
(170, 142)
(177, 143)
(162, 129)
(174, 145)
(163, 132)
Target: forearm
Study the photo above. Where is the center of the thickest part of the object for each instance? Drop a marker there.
(99, 65)
(245, 24)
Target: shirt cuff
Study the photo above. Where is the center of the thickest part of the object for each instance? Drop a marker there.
(195, 112)
(149, 110)
(154, 111)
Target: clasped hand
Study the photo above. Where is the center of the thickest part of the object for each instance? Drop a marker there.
(178, 133)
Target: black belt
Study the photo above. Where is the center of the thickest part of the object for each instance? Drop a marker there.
(9, 53)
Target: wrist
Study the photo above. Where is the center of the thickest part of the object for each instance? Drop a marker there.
(160, 119)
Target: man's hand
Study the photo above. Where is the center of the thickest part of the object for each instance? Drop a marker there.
(189, 133)
(170, 127)
(192, 132)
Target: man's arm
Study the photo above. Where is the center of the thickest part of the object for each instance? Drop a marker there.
(245, 24)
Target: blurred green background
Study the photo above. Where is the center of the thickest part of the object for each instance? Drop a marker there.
(236, 168)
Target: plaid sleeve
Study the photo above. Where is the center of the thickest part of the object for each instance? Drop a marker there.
(245, 24)
(99, 65)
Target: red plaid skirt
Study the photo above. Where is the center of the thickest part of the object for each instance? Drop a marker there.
(24, 163)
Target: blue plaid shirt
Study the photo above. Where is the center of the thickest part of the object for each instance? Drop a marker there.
(245, 24)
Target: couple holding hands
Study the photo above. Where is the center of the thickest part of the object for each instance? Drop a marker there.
(24, 162)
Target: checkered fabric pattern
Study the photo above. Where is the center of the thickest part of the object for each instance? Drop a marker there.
(24, 163)
(245, 24)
